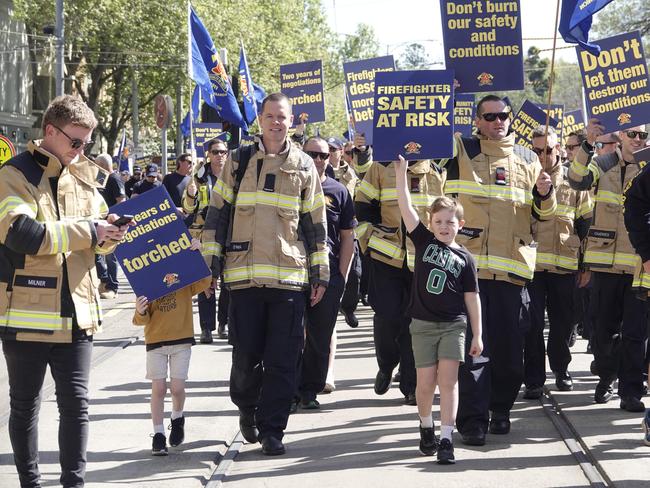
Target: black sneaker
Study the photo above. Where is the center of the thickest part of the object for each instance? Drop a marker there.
(206, 336)
(351, 319)
(428, 441)
(177, 434)
(159, 445)
(446, 452)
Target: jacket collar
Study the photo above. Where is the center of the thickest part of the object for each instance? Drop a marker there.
(83, 168)
(497, 148)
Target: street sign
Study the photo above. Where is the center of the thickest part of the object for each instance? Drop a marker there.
(7, 150)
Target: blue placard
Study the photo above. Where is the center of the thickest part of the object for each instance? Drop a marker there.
(204, 133)
(557, 113)
(464, 113)
(483, 44)
(360, 87)
(155, 254)
(303, 84)
(529, 117)
(642, 155)
(616, 82)
(413, 115)
(573, 121)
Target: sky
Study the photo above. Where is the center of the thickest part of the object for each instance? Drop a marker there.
(402, 22)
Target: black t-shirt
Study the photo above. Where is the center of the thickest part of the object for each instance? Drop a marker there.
(113, 190)
(340, 215)
(442, 275)
(175, 184)
(143, 186)
(128, 186)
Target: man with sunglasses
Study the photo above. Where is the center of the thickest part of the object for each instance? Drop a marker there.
(266, 227)
(321, 317)
(553, 286)
(137, 176)
(52, 222)
(502, 186)
(196, 199)
(573, 142)
(149, 182)
(606, 144)
(618, 339)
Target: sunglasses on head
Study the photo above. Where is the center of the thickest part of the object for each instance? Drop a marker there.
(539, 151)
(76, 143)
(318, 154)
(492, 116)
(633, 133)
(218, 152)
(600, 145)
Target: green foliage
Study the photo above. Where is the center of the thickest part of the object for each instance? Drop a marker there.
(112, 41)
(414, 57)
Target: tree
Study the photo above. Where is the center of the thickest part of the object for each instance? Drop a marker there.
(620, 17)
(536, 70)
(414, 57)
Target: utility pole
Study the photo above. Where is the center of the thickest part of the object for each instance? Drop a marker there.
(58, 75)
(135, 121)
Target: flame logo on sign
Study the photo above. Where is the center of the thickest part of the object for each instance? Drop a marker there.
(171, 279)
(219, 76)
(412, 147)
(484, 79)
(624, 118)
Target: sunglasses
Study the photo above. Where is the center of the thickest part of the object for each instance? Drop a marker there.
(219, 152)
(571, 147)
(633, 133)
(539, 151)
(492, 116)
(77, 143)
(333, 149)
(349, 153)
(600, 145)
(318, 154)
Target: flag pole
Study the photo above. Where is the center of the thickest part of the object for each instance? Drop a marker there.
(552, 76)
(192, 149)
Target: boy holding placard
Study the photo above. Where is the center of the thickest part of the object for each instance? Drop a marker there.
(169, 336)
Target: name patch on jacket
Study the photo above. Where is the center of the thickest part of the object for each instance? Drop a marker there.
(35, 281)
(237, 246)
(470, 232)
(602, 234)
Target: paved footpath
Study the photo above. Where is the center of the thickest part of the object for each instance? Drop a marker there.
(356, 439)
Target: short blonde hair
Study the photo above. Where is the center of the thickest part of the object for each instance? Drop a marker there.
(67, 109)
(446, 203)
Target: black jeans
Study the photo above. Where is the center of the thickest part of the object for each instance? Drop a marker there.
(70, 366)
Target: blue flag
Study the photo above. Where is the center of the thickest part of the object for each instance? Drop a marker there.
(259, 94)
(194, 112)
(247, 90)
(207, 70)
(575, 22)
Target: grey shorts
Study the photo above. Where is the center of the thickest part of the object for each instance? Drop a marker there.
(432, 341)
(175, 357)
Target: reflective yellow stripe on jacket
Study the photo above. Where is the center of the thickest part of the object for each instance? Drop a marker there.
(386, 248)
(265, 271)
(489, 191)
(33, 320)
(557, 261)
(17, 205)
(609, 259)
(603, 196)
(504, 264)
(268, 198)
(60, 238)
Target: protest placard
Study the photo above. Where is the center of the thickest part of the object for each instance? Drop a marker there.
(616, 82)
(572, 121)
(483, 44)
(642, 155)
(529, 117)
(360, 87)
(155, 254)
(303, 84)
(413, 115)
(204, 133)
(464, 113)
